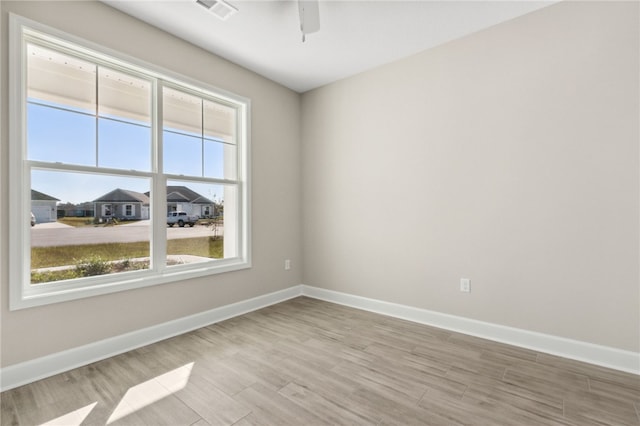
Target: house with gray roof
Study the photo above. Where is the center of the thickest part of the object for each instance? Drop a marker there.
(122, 204)
(43, 207)
(181, 198)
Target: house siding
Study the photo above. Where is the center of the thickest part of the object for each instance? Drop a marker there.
(118, 210)
(44, 211)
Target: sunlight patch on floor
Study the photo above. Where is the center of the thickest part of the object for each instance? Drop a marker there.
(73, 418)
(151, 391)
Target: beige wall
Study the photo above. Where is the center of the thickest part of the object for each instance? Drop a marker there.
(36, 332)
(509, 157)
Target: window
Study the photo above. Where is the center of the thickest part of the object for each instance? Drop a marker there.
(128, 144)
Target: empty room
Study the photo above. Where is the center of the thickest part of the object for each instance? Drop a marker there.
(320, 212)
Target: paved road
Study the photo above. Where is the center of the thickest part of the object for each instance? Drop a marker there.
(56, 234)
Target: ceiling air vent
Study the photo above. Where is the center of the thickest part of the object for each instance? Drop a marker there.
(220, 8)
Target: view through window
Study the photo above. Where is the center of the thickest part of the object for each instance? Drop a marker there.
(106, 172)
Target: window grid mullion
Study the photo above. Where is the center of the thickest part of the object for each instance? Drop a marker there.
(97, 116)
(202, 136)
(159, 183)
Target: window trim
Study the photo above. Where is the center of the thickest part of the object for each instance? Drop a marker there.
(21, 293)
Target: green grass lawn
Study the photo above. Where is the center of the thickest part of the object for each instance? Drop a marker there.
(200, 246)
(43, 257)
(79, 222)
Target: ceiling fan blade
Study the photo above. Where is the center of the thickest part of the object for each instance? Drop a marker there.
(309, 16)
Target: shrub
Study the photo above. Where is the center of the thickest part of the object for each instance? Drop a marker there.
(93, 265)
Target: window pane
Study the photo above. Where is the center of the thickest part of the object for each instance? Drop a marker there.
(219, 160)
(182, 154)
(56, 135)
(124, 96)
(195, 219)
(199, 136)
(219, 122)
(182, 136)
(124, 145)
(60, 79)
(182, 112)
(124, 127)
(87, 224)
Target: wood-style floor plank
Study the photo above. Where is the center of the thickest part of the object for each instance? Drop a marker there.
(309, 362)
(330, 409)
(271, 408)
(587, 408)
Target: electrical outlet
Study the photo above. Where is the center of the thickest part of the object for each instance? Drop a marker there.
(465, 285)
(287, 265)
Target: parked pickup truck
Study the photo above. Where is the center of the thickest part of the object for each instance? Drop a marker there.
(181, 218)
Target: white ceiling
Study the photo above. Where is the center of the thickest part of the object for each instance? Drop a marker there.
(264, 36)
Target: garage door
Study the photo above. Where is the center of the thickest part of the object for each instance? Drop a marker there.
(42, 213)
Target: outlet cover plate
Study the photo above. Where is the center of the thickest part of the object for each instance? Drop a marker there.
(465, 285)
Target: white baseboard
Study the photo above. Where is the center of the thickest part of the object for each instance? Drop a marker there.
(40, 368)
(605, 356)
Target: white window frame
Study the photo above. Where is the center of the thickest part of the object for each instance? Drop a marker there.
(24, 295)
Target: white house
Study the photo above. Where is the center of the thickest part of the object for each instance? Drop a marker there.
(122, 204)
(181, 198)
(43, 207)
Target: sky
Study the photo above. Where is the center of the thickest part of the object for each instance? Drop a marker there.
(73, 137)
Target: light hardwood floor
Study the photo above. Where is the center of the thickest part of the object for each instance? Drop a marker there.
(308, 362)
